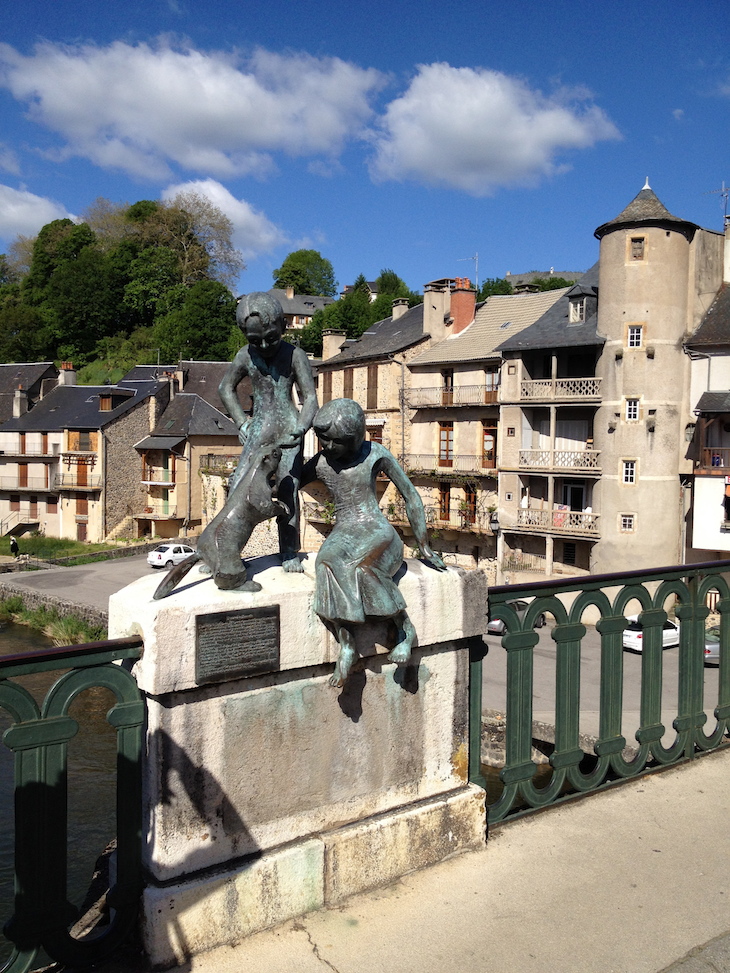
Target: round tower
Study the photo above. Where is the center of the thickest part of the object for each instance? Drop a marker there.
(645, 311)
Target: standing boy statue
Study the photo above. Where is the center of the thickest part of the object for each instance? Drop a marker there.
(275, 369)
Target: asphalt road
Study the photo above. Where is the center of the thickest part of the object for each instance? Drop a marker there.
(495, 671)
(88, 584)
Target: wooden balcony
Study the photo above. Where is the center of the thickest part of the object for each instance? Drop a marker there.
(155, 475)
(457, 463)
(714, 461)
(459, 395)
(573, 522)
(560, 460)
(561, 390)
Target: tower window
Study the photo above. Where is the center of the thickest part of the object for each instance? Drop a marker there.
(637, 247)
(627, 523)
(635, 336)
(632, 410)
(577, 311)
(628, 474)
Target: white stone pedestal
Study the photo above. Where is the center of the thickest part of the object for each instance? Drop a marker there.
(269, 793)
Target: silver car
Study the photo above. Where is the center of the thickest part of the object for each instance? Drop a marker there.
(497, 627)
(712, 647)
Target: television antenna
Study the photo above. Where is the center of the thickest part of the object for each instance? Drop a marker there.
(724, 192)
(475, 258)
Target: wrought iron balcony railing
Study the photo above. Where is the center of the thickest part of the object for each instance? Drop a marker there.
(158, 511)
(459, 516)
(155, 474)
(563, 521)
(38, 738)
(39, 484)
(72, 481)
(456, 462)
(568, 389)
(459, 395)
(572, 460)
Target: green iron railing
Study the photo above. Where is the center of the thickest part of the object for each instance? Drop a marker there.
(38, 738)
(686, 589)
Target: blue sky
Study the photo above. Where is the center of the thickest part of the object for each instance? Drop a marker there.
(404, 135)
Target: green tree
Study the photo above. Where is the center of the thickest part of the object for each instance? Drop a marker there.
(151, 275)
(308, 272)
(551, 283)
(494, 285)
(200, 327)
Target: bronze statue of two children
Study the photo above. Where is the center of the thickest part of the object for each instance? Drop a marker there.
(355, 566)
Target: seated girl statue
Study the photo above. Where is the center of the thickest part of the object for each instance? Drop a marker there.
(355, 566)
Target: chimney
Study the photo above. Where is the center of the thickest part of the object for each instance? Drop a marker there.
(437, 319)
(20, 402)
(67, 373)
(726, 266)
(400, 306)
(172, 382)
(332, 342)
(463, 304)
(290, 293)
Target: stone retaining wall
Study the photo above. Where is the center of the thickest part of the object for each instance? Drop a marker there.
(36, 599)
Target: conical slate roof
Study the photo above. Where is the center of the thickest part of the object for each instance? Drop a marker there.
(646, 209)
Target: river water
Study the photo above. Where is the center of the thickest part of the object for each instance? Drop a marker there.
(91, 778)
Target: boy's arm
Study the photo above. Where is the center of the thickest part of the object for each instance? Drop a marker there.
(305, 385)
(227, 389)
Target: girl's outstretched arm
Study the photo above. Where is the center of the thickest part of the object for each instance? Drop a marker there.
(414, 508)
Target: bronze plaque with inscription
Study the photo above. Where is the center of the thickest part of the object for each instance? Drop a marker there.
(232, 644)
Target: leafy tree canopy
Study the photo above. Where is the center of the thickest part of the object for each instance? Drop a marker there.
(551, 283)
(308, 272)
(494, 285)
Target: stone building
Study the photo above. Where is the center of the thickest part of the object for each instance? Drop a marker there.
(66, 466)
(596, 405)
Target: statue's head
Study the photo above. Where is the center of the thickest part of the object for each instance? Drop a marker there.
(340, 428)
(261, 318)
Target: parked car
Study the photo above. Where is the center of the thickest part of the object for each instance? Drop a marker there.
(166, 555)
(712, 647)
(634, 634)
(497, 627)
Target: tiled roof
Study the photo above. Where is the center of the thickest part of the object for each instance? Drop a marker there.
(714, 329)
(203, 378)
(386, 337)
(77, 407)
(28, 376)
(646, 209)
(713, 402)
(553, 329)
(190, 415)
(497, 318)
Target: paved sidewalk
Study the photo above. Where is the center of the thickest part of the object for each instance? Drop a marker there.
(633, 880)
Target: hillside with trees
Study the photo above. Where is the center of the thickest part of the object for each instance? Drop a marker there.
(127, 285)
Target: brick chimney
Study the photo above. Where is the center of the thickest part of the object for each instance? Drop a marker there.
(400, 306)
(20, 402)
(332, 342)
(437, 318)
(67, 373)
(463, 304)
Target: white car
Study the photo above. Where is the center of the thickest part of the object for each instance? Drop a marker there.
(634, 634)
(167, 555)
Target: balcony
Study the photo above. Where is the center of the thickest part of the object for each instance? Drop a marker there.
(714, 461)
(154, 475)
(37, 452)
(159, 511)
(35, 484)
(558, 522)
(459, 395)
(75, 481)
(460, 516)
(560, 460)
(458, 463)
(560, 390)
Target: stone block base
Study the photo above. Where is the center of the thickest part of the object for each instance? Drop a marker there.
(190, 916)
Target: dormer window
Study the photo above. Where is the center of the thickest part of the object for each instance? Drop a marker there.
(105, 403)
(577, 310)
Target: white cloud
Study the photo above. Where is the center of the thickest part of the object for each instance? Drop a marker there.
(477, 129)
(9, 160)
(140, 108)
(25, 213)
(253, 234)
(678, 114)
